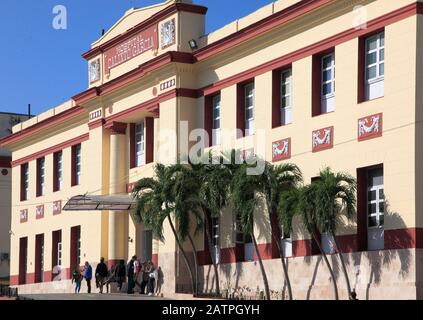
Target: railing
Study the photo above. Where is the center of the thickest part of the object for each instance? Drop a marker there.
(6, 291)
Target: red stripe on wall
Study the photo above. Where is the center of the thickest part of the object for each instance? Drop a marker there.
(14, 280)
(47, 123)
(52, 149)
(333, 41)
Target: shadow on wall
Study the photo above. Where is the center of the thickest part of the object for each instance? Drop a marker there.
(384, 258)
(377, 260)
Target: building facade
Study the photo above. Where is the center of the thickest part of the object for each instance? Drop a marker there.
(270, 78)
(7, 121)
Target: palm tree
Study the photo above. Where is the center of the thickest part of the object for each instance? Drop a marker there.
(185, 186)
(244, 190)
(302, 202)
(155, 203)
(274, 181)
(335, 196)
(215, 178)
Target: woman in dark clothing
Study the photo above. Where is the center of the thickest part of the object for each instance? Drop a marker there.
(101, 274)
(120, 274)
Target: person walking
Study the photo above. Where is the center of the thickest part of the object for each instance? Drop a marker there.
(77, 278)
(88, 275)
(152, 279)
(145, 276)
(137, 273)
(120, 274)
(130, 274)
(101, 274)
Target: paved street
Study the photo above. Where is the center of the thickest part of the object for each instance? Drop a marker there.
(84, 296)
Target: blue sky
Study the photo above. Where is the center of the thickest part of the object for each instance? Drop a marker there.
(44, 67)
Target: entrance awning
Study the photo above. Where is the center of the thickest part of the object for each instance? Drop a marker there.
(105, 202)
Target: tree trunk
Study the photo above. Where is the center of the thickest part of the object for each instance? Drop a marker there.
(285, 269)
(183, 252)
(195, 263)
(344, 268)
(263, 272)
(335, 287)
(213, 257)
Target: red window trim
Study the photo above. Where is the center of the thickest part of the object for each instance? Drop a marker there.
(73, 165)
(149, 140)
(208, 116)
(276, 95)
(317, 81)
(75, 234)
(23, 166)
(132, 162)
(362, 182)
(240, 106)
(38, 186)
(361, 82)
(39, 240)
(55, 169)
(56, 238)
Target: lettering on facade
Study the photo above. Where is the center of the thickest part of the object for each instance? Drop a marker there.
(145, 40)
(167, 33)
(322, 139)
(370, 127)
(95, 114)
(167, 84)
(281, 150)
(24, 215)
(94, 70)
(57, 207)
(39, 212)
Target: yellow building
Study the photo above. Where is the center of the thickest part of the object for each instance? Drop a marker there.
(155, 76)
(7, 120)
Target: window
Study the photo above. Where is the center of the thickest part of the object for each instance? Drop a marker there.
(56, 251)
(328, 83)
(374, 66)
(216, 238)
(41, 178)
(58, 171)
(24, 182)
(286, 97)
(139, 144)
(216, 120)
(286, 243)
(375, 209)
(249, 109)
(59, 253)
(76, 165)
(328, 243)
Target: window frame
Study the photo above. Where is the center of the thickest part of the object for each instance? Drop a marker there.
(139, 131)
(248, 121)
(216, 130)
(285, 82)
(25, 181)
(41, 176)
(332, 69)
(58, 171)
(379, 77)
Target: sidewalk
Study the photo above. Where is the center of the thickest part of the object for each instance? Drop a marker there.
(86, 296)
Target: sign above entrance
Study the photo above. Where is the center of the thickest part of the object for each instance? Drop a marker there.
(128, 49)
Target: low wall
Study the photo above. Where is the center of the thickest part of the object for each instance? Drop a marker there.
(389, 274)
